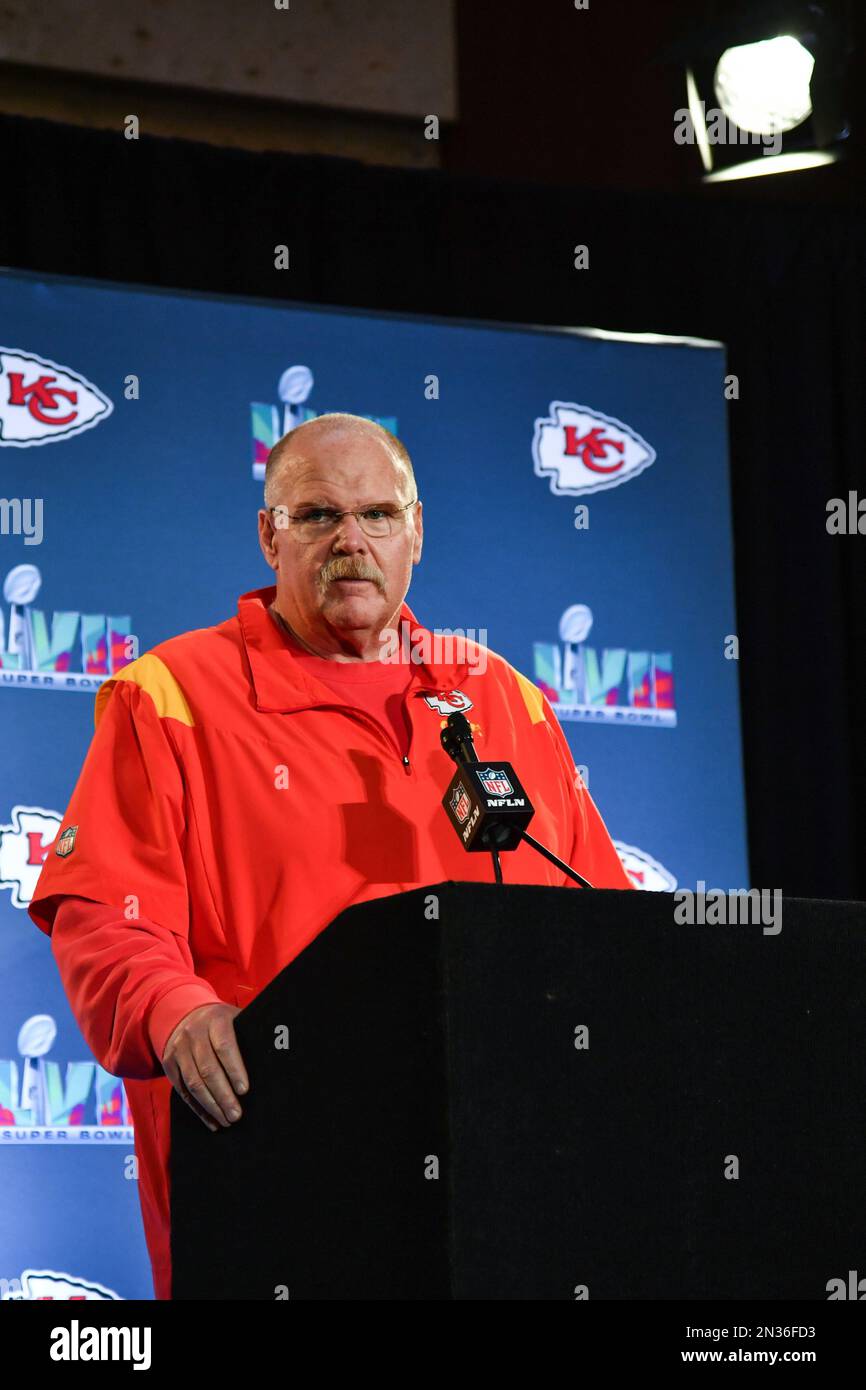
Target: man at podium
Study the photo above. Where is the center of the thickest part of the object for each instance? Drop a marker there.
(249, 781)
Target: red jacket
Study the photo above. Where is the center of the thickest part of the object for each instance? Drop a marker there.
(230, 806)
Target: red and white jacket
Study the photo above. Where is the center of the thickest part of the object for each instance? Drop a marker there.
(230, 806)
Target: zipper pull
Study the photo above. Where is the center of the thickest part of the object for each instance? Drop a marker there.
(406, 767)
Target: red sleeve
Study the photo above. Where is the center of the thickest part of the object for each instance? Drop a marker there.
(593, 853)
(124, 955)
(129, 983)
(123, 837)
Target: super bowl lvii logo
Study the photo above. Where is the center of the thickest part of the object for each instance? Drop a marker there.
(271, 422)
(46, 1102)
(41, 401)
(614, 686)
(581, 450)
(76, 651)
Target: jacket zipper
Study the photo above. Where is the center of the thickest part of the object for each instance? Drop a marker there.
(377, 727)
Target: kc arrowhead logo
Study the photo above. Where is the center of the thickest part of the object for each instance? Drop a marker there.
(580, 450)
(41, 401)
(24, 846)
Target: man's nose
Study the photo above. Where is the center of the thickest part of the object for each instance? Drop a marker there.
(348, 538)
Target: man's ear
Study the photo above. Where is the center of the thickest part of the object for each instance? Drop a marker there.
(419, 533)
(266, 538)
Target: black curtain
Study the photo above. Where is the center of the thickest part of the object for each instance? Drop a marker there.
(783, 285)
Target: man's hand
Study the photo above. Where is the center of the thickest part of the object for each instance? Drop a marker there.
(203, 1063)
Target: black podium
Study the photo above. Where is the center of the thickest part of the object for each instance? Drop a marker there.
(440, 1127)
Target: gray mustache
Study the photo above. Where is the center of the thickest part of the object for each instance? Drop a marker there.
(345, 567)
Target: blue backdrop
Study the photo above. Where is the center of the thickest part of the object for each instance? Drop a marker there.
(577, 520)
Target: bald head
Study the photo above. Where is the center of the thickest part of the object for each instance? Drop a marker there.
(327, 484)
(302, 442)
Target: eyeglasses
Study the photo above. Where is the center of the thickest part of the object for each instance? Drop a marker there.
(315, 522)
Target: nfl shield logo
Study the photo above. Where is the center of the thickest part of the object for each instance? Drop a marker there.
(66, 843)
(460, 803)
(494, 782)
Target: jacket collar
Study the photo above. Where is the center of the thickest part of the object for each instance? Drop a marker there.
(281, 684)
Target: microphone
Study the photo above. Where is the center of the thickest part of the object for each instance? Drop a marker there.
(457, 739)
(486, 802)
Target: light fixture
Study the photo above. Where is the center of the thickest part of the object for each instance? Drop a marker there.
(765, 87)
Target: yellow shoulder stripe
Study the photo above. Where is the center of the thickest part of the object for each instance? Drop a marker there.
(531, 697)
(153, 676)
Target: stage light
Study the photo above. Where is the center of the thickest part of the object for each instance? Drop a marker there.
(775, 164)
(765, 86)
